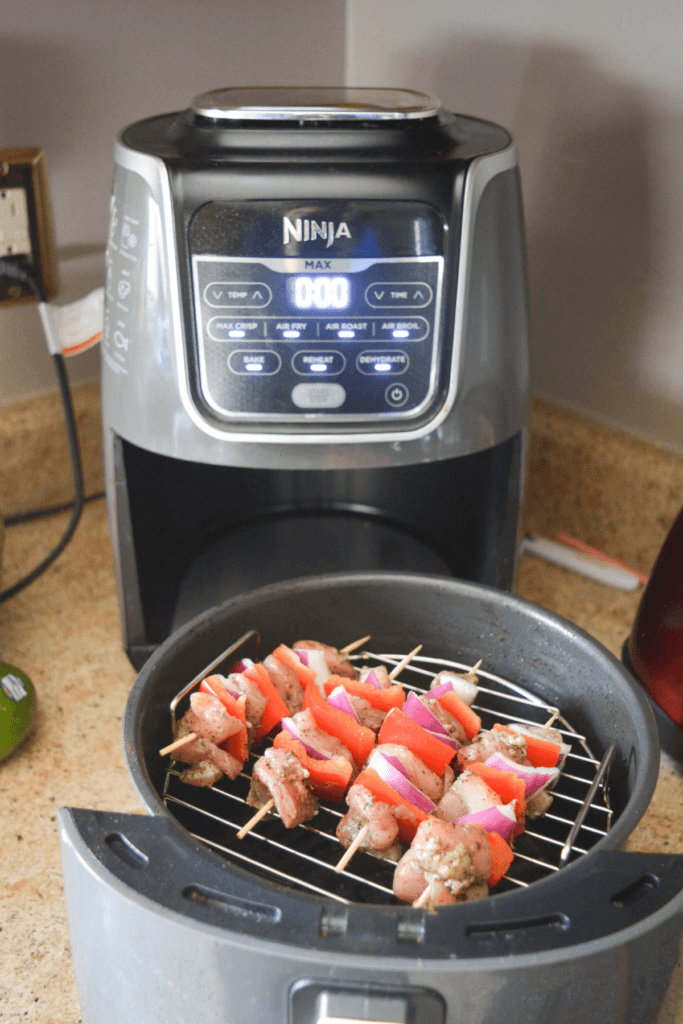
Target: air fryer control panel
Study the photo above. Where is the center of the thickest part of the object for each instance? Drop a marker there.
(317, 310)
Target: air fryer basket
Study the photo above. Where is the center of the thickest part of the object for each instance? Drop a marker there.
(521, 642)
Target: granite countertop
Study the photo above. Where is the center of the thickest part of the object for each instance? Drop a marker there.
(610, 490)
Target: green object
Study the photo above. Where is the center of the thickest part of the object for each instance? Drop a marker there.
(17, 703)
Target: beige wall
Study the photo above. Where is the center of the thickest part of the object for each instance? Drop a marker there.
(77, 71)
(593, 92)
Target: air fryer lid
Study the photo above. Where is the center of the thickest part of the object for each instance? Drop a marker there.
(539, 651)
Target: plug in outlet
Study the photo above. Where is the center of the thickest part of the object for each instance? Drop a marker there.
(26, 224)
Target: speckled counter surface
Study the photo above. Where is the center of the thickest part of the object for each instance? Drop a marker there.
(610, 490)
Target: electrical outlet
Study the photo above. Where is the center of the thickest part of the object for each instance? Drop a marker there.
(26, 224)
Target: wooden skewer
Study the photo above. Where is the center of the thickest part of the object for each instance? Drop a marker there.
(406, 661)
(178, 743)
(473, 671)
(555, 714)
(261, 813)
(424, 898)
(345, 651)
(352, 849)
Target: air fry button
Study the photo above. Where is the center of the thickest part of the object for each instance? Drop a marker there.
(398, 294)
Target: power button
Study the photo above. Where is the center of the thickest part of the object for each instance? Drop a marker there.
(396, 395)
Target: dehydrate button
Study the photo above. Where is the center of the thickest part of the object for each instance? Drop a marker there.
(382, 364)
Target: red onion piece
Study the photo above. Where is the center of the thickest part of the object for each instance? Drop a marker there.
(397, 780)
(415, 709)
(448, 740)
(339, 699)
(373, 680)
(302, 655)
(439, 691)
(291, 728)
(500, 819)
(396, 762)
(535, 779)
(241, 666)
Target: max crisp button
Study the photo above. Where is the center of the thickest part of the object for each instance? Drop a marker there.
(318, 396)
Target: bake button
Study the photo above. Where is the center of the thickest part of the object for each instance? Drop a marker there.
(254, 362)
(318, 364)
(320, 395)
(396, 395)
(382, 364)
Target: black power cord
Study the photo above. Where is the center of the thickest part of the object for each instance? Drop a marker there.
(19, 272)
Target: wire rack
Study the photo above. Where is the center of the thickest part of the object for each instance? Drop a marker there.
(305, 857)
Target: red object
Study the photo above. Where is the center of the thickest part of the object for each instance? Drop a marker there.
(655, 646)
(508, 785)
(398, 728)
(351, 733)
(585, 549)
(238, 743)
(328, 779)
(469, 720)
(384, 700)
(289, 657)
(539, 752)
(382, 791)
(501, 858)
(276, 709)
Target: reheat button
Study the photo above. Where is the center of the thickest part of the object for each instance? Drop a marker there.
(318, 364)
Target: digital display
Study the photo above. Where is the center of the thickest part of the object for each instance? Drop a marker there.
(319, 292)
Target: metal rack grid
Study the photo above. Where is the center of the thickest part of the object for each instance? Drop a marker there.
(305, 857)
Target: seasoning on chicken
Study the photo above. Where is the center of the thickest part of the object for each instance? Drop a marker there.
(209, 719)
(279, 776)
(376, 818)
(368, 716)
(256, 702)
(207, 756)
(316, 739)
(468, 794)
(450, 723)
(487, 743)
(286, 682)
(338, 665)
(454, 861)
(427, 781)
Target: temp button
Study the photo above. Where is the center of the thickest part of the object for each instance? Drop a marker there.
(321, 395)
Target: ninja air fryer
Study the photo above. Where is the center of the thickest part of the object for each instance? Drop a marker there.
(315, 348)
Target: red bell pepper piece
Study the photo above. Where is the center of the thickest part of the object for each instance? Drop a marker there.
(289, 657)
(351, 733)
(407, 821)
(384, 700)
(509, 786)
(469, 720)
(539, 752)
(501, 858)
(398, 728)
(276, 709)
(329, 779)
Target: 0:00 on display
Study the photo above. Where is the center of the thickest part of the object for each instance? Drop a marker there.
(319, 292)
